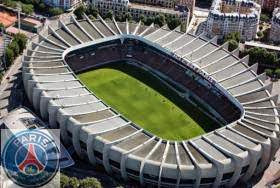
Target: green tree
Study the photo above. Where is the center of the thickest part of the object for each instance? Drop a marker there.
(149, 20)
(91, 17)
(277, 73)
(260, 34)
(109, 14)
(270, 58)
(269, 72)
(27, 8)
(2, 27)
(92, 10)
(173, 22)
(183, 27)
(74, 182)
(55, 11)
(143, 18)
(233, 36)
(232, 45)
(262, 56)
(21, 40)
(64, 181)
(9, 56)
(42, 7)
(80, 11)
(90, 182)
(118, 18)
(10, 3)
(15, 47)
(264, 18)
(127, 16)
(160, 20)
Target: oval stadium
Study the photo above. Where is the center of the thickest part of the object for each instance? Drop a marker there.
(214, 80)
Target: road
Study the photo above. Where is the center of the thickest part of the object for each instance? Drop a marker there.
(11, 89)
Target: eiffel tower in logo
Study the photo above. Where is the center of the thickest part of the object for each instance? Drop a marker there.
(31, 161)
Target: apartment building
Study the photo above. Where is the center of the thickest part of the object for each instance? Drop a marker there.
(228, 16)
(275, 26)
(138, 7)
(64, 4)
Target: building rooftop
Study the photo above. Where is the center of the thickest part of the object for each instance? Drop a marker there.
(153, 8)
(22, 118)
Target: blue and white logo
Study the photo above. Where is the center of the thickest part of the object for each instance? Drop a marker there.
(30, 158)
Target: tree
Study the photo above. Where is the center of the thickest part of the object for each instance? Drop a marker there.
(173, 22)
(73, 182)
(80, 11)
(9, 56)
(262, 56)
(127, 16)
(233, 36)
(10, 3)
(160, 20)
(64, 181)
(183, 27)
(90, 182)
(2, 27)
(92, 10)
(265, 35)
(21, 40)
(269, 72)
(91, 17)
(149, 20)
(277, 73)
(232, 45)
(55, 11)
(42, 7)
(109, 14)
(260, 34)
(15, 47)
(27, 8)
(143, 18)
(269, 58)
(264, 18)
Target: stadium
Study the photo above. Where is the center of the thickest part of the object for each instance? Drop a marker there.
(204, 74)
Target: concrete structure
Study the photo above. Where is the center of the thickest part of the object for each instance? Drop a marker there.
(228, 16)
(64, 4)
(274, 34)
(271, 48)
(121, 7)
(31, 25)
(241, 148)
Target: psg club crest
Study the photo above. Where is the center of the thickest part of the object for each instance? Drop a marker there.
(30, 158)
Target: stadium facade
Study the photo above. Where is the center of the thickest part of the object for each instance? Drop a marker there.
(197, 68)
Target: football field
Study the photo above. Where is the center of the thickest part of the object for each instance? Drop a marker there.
(146, 101)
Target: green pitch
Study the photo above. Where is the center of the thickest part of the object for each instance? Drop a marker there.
(146, 101)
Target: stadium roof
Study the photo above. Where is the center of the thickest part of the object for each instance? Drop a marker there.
(57, 94)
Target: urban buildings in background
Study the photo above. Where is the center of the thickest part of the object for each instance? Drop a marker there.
(181, 8)
(228, 16)
(64, 4)
(270, 5)
(169, 3)
(275, 26)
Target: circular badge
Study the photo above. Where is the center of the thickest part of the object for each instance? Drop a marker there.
(30, 158)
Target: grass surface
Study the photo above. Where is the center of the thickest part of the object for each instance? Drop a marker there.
(124, 87)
